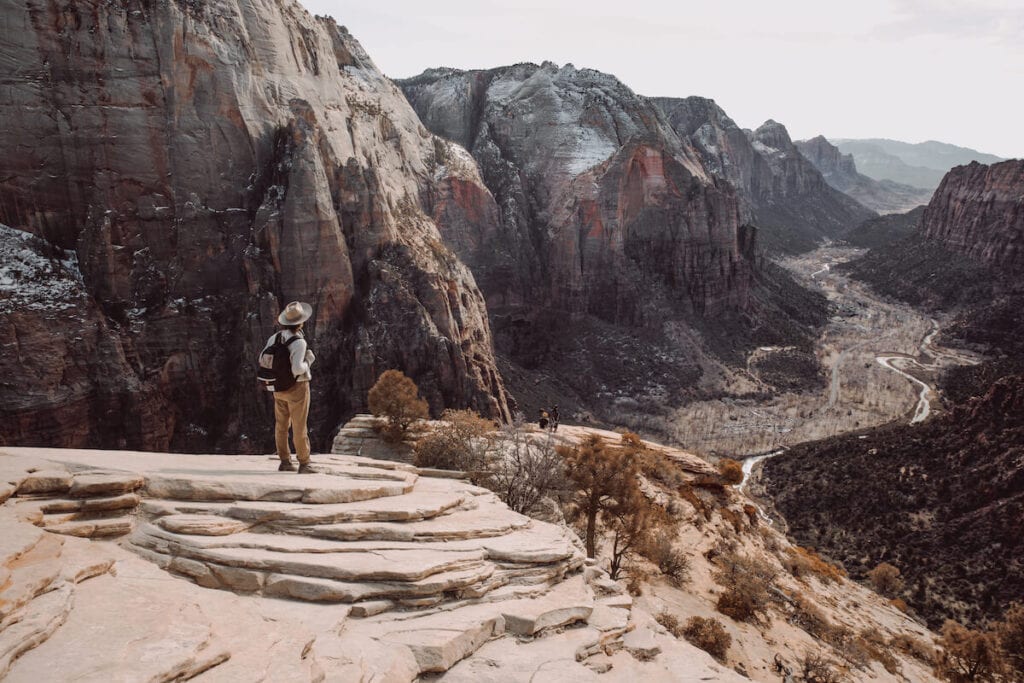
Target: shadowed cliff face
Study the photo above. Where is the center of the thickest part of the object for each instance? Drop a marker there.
(208, 163)
(978, 211)
(782, 192)
(620, 265)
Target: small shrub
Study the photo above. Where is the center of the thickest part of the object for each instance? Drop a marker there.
(745, 584)
(526, 471)
(673, 563)
(817, 669)
(462, 442)
(886, 580)
(913, 647)
(900, 604)
(873, 642)
(1010, 632)
(395, 397)
(670, 622)
(804, 562)
(730, 470)
(968, 655)
(709, 635)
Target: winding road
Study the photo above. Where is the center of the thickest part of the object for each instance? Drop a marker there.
(928, 358)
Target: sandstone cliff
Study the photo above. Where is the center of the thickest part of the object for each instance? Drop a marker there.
(978, 212)
(786, 196)
(840, 171)
(208, 163)
(621, 261)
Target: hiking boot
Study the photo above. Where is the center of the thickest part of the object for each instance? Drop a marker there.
(286, 466)
(306, 468)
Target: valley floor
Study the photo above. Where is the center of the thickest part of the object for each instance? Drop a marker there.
(880, 360)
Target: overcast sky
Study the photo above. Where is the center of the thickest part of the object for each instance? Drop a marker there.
(909, 70)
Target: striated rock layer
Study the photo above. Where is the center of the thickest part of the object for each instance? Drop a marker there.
(978, 211)
(784, 194)
(194, 167)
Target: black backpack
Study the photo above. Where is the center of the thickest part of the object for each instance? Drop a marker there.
(275, 371)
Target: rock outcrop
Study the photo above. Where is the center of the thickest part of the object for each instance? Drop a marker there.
(621, 267)
(785, 195)
(978, 212)
(840, 171)
(386, 575)
(206, 164)
(604, 210)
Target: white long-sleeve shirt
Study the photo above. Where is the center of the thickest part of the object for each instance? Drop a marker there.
(298, 352)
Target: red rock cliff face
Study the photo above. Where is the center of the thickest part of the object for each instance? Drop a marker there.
(208, 163)
(604, 210)
(978, 211)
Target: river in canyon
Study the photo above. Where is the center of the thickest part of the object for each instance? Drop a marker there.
(880, 359)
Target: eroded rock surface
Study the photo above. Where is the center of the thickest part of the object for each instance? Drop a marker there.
(193, 168)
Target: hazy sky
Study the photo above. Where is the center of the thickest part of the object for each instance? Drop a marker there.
(910, 70)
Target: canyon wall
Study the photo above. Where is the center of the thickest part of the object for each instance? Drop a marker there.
(205, 164)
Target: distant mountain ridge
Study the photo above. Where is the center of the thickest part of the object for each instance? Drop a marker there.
(921, 164)
(840, 171)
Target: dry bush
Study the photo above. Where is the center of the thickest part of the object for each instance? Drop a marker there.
(815, 668)
(730, 470)
(631, 520)
(673, 563)
(709, 635)
(886, 580)
(876, 646)
(526, 471)
(670, 622)
(745, 582)
(599, 475)
(1010, 632)
(462, 442)
(733, 518)
(804, 562)
(753, 516)
(967, 655)
(913, 647)
(658, 467)
(686, 492)
(395, 397)
(900, 604)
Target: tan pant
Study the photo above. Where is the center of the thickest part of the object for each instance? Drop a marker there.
(291, 407)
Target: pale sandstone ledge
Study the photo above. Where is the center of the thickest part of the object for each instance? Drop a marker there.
(368, 571)
(387, 575)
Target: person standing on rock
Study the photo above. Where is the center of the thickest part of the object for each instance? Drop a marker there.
(284, 369)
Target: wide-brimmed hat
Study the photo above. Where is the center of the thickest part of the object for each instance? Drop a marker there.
(294, 313)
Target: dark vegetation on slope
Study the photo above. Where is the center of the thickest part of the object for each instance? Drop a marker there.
(885, 230)
(944, 502)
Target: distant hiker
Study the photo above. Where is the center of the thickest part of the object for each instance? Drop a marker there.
(543, 421)
(284, 369)
(554, 419)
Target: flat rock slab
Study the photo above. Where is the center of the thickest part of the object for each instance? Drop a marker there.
(569, 602)
(438, 643)
(99, 485)
(260, 486)
(412, 506)
(51, 480)
(201, 525)
(93, 528)
(93, 647)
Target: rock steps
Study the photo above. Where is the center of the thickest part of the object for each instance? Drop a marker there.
(87, 504)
